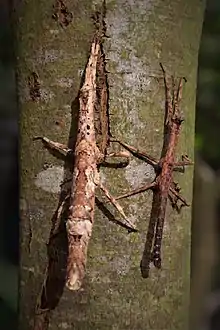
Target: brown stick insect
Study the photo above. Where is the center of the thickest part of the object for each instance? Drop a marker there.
(93, 97)
(163, 186)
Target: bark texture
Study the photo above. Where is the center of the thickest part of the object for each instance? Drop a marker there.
(54, 44)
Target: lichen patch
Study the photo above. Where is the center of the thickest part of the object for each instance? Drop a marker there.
(121, 265)
(48, 56)
(46, 95)
(64, 82)
(65, 325)
(50, 179)
(138, 174)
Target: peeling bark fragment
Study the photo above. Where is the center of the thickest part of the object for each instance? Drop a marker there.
(34, 86)
(102, 125)
(61, 14)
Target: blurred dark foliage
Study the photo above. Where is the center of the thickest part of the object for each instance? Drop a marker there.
(208, 96)
(8, 317)
(9, 191)
(208, 137)
(8, 141)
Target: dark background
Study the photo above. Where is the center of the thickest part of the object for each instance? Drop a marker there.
(9, 192)
(207, 141)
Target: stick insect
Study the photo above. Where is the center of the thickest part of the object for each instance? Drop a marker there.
(88, 156)
(163, 186)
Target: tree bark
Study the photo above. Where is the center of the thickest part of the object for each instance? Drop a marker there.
(142, 34)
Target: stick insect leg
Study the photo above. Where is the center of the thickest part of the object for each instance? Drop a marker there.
(178, 196)
(180, 89)
(59, 147)
(168, 98)
(121, 154)
(174, 201)
(137, 191)
(180, 166)
(177, 97)
(116, 205)
(138, 153)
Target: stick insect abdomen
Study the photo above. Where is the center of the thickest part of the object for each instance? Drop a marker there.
(81, 216)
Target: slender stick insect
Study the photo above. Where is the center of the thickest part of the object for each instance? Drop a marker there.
(87, 158)
(163, 186)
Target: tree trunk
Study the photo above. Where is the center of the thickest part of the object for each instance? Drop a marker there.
(204, 243)
(51, 58)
